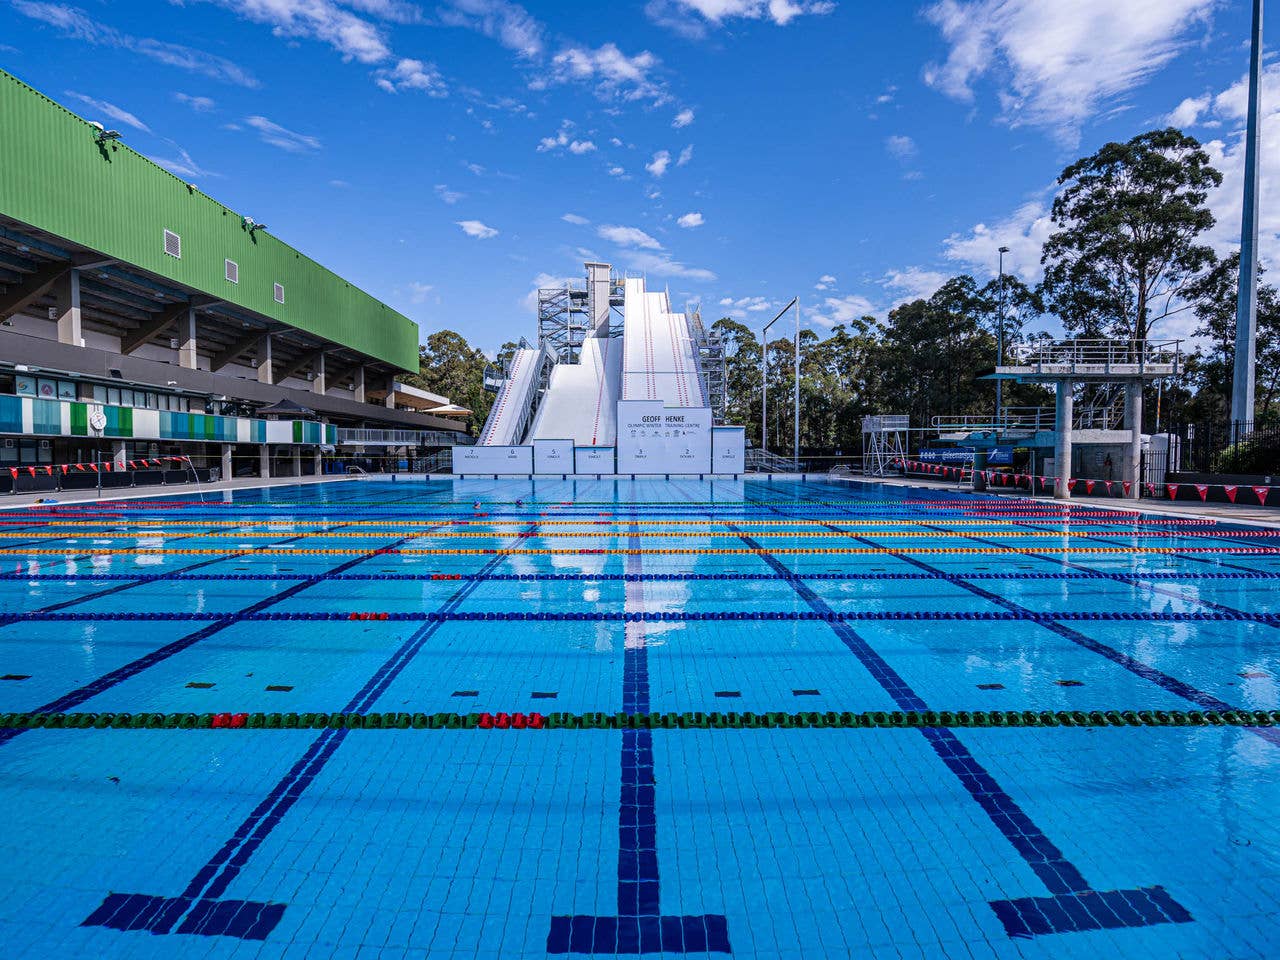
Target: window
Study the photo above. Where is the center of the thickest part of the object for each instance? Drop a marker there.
(279, 293)
(233, 271)
(173, 244)
(66, 390)
(113, 396)
(99, 393)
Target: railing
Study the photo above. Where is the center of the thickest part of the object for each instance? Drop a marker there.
(1011, 418)
(762, 461)
(402, 438)
(1241, 448)
(1107, 354)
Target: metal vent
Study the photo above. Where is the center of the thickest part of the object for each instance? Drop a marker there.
(173, 244)
(279, 293)
(233, 271)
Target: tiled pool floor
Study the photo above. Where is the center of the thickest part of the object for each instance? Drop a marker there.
(602, 596)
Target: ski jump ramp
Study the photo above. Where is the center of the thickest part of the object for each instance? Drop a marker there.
(629, 404)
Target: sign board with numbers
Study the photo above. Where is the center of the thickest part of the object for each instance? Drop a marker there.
(656, 439)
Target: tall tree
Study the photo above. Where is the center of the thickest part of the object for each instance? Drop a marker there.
(742, 375)
(1128, 222)
(450, 366)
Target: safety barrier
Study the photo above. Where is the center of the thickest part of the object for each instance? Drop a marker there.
(695, 720)
(1246, 494)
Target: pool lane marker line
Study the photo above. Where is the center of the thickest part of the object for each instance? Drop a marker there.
(74, 698)
(639, 925)
(1072, 904)
(1200, 698)
(199, 909)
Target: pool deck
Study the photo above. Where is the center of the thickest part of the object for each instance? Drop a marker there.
(22, 500)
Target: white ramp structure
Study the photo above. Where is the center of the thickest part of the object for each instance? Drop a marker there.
(592, 364)
(660, 361)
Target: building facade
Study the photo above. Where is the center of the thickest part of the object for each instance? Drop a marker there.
(142, 319)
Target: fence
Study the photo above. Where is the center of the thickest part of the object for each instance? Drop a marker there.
(1237, 449)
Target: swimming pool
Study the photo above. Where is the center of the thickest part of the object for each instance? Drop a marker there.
(677, 718)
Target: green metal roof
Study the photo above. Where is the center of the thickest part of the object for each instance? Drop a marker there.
(56, 177)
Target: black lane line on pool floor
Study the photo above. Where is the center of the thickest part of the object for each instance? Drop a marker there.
(1201, 698)
(198, 909)
(69, 701)
(639, 925)
(1073, 905)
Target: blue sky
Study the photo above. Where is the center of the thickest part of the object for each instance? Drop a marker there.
(450, 156)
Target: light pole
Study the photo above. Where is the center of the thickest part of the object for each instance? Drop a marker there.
(764, 377)
(1000, 340)
(1242, 377)
(795, 426)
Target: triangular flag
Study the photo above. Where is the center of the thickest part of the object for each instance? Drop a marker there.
(1261, 494)
(1108, 483)
(1173, 490)
(31, 470)
(14, 472)
(93, 467)
(1071, 484)
(1088, 486)
(1203, 490)
(1151, 489)
(48, 471)
(1127, 485)
(108, 466)
(1230, 491)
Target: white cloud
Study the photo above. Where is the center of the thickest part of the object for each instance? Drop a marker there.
(418, 291)
(75, 23)
(658, 165)
(355, 38)
(628, 237)
(1057, 63)
(689, 16)
(902, 147)
(449, 196)
(913, 283)
(474, 228)
(542, 280)
(565, 138)
(198, 104)
(685, 156)
(690, 220)
(580, 147)
(110, 111)
(575, 219)
(508, 23)
(825, 282)
(661, 265)
(1024, 232)
(617, 172)
(411, 75)
(278, 136)
(683, 118)
(745, 305)
(182, 166)
(1188, 112)
(837, 310)
(610, 71)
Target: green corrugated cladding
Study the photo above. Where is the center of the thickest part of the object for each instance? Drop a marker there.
(46, 417)
(54, 176)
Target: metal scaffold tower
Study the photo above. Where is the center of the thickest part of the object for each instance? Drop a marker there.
(711, 366)
(883, 442)
(567, 315)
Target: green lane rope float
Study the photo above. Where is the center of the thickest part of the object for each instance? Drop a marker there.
(691, 720)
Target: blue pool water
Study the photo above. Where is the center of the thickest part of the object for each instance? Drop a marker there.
(546, 597)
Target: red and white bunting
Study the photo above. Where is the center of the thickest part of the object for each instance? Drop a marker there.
(1230, 491)
(1088, 486)
(1261, 494)
(1203, 490)
(1173, 490)
(1127, 486)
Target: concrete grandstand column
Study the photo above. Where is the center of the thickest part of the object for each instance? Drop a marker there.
(227, 465)
(188, 358)
(297, 461)
(266, 372)
(1133, 416)
(357, 382)
(66, 299)
(1062, 449)
(317, 385)
(264, 460)
(319, 461)
(119, 458)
